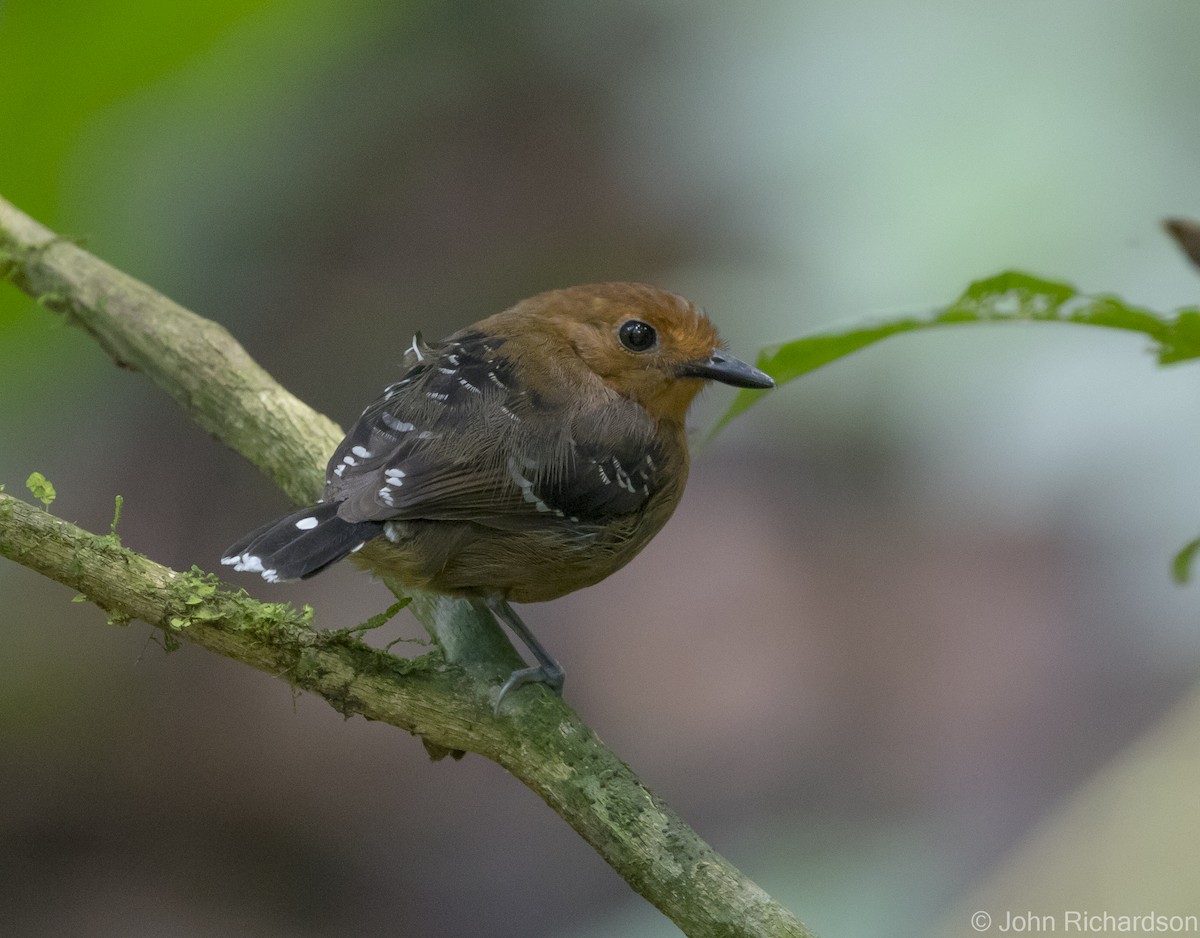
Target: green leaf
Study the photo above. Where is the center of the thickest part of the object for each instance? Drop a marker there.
(1011, 296)
(41, 488)
(1181, 566)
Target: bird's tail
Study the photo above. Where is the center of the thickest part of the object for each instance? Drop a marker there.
(301, 544)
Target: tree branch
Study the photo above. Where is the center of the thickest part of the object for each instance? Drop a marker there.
(419, 695)
(538, 738)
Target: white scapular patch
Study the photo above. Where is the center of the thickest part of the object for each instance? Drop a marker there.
(361, 452)
(306, 524)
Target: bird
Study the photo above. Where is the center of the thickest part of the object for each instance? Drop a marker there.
(522, 458)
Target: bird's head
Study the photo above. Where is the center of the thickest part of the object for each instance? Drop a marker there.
(646, 344)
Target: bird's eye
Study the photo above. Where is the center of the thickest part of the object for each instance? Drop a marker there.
(637, 336)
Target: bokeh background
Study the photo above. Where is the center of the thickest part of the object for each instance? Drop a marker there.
(909, 647)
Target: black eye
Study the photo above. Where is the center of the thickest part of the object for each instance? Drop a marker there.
(637, 336)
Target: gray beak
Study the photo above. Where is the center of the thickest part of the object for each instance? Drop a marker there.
(723, 367)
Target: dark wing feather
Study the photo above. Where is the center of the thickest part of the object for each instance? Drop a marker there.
(604, 478)
(458, 437)
(300, 544)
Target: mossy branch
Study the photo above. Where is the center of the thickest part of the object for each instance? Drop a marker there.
(420, 695)
(447, 701)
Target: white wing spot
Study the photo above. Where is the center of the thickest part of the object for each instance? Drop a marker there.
(437, 395)
(446, 371)
(357, 547)
(469, 386)
(623, 480)
(350, 461)
(361, 452)
(496, 381)
(395, 475)
(526, 487)
(339, 470)
(385, 496)
(247, 563)
(400, 426)
(306, 524)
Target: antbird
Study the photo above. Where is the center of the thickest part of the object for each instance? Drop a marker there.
(522, 458)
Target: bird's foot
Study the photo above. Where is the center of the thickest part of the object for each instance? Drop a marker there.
(549, 674)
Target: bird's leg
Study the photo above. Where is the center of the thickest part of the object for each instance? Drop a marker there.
(548, 671)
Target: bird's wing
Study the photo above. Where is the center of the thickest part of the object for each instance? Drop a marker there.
(460, 437)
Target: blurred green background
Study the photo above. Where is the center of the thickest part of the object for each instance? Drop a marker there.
(913, 622)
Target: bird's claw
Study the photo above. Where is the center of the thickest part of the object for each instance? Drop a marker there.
(551, 676)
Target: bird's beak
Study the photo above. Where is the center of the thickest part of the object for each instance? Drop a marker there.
(723, 367)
